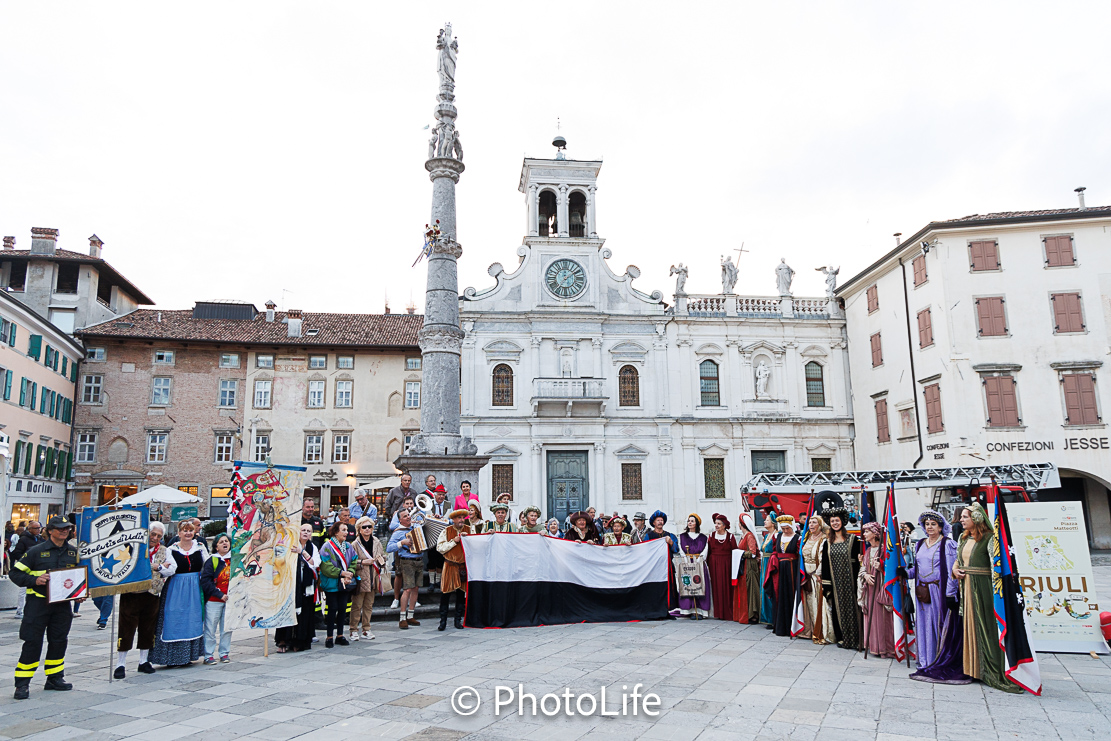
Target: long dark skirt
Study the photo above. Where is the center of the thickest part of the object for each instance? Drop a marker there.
(175, 653)
(298, 637)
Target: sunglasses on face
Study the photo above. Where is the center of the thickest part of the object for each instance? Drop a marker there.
(365, 527)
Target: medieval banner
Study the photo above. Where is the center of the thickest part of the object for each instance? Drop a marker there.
(263, 521)
(112, 543)
(1050, 546)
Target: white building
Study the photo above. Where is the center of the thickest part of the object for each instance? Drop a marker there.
(588, 392)
(984, 340)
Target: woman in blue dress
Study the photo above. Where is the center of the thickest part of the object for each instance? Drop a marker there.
(179, 635)
(766, 616)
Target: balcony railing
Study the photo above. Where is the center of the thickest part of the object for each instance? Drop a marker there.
(753, 307)
(570, 388)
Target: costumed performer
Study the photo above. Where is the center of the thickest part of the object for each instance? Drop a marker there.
(766, 548)
(935, 589)
(500, 523)
(455, 567)
(720, 562)
(875, 600)
(692, 544)
(299, 636)
(658, 520)
(532, 521)
(781, 581)
(746, 592)
(618, 534)
(581, 530)
(139, 610)
(179, 635)
(817, 615)
(840, 567)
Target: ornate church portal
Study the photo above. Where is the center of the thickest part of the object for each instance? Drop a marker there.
(568, 483)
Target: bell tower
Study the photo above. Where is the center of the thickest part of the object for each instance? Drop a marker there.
(560, 195)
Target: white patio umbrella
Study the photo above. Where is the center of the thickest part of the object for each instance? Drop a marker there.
(162, 494)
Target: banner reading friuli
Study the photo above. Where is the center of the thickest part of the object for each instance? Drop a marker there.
(1050, 545)
(264, 521)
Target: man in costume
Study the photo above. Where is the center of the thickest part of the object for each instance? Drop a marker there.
(640, 528)
(455, 567)
(617, 534)
(532, 521)
(440, 510)
(500, 523)
(39, 616)
(658, 520)
(581, 530)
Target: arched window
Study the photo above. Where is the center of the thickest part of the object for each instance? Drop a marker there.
(546, 214)
(628, 387)
(708, 383)
(815, 386)
(576, 213)
(502, 392)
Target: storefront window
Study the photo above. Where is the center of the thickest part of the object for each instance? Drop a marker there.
(24, 512)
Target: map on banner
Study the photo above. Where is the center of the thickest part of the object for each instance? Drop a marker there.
(1055, 570)
(264, 524)
(112, 544)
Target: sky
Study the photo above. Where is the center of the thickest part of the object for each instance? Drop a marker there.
(275, 150)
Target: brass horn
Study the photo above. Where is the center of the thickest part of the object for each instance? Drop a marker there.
(423, 502)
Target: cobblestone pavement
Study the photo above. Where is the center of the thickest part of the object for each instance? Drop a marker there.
(715, 681)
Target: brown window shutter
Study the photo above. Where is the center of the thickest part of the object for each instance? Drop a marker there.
(976, 252)
(1002, 401)
(933, 408)
(919, 270)
(1080, 399)
(1064, 250)
(984, 255)
(1068, 314)
(877, 350)
(991, 316)
(925, 329)
(991, 255)
(873, 299)
(883, 431)
(995, 403)
(1058, 251)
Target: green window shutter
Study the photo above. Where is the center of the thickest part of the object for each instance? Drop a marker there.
(65, 365)
(34, 346)
(11, 336)
(44, 400)
(48, 356)
(60, 472)
(34, 394)
(73, 372)
(15, 458)
(65, 411)
(48, 463)
(8, 385)
(28, 455)
(23, 392)
(39, 459)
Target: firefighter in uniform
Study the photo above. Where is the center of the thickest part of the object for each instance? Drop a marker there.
(41, 617)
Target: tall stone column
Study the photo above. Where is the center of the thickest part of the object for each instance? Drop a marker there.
(440, 449)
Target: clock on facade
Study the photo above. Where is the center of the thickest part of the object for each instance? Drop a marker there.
(566, 279)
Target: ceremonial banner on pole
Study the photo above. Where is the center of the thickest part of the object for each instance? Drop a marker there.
(1055, 573)
(264, 520)
(112, 544)
(895, 584)
(798, 624)
(1020, 663)
(517, 580)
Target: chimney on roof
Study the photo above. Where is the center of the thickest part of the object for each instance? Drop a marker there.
(270, 306)
(898, 238)
(95, 244)
(293, 322)
(1080, 194)
(411, 309)
(9, 243)
(44, 241)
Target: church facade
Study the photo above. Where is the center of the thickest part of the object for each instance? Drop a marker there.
(585, 391)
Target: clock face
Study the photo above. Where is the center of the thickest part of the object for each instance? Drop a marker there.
(565, 278)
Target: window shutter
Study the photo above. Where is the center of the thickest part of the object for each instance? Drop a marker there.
(877, 350)
(34, 394)
(1058, 251)
(11, 335)
(1064, 250)
(73, 372)
(919, 270)
(8, 385)
(925, 329)
(1080, 399)
(933, 408)
(991, 316)
(1002, 401)
(23, 392)
(991, 255)
(883, 431)
(873, 299)
(34, 346)
(976, 252)
(1068, 315)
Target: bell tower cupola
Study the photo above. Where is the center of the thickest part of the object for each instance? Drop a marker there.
(560, 195)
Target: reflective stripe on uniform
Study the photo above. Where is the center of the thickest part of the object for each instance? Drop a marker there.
(53, 666)
(24, 567)
(33, 593)
(25, 670)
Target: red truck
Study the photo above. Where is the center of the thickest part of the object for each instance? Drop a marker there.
(945, 488)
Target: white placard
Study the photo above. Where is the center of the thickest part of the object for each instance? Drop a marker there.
(1055, 569)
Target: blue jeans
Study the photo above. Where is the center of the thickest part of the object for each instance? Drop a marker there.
(214, 629)
(104, 604)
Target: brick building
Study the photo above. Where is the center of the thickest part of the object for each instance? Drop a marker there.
(173, 397)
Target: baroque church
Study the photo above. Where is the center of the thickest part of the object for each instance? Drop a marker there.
(586, 391)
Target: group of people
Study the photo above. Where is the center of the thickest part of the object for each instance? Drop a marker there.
(748, 576)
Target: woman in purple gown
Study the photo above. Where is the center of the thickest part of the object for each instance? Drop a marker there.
(692, 546)
(929, 565)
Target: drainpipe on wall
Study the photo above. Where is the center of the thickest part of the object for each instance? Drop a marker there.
(913, 375)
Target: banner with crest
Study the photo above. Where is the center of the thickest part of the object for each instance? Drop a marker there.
(112, 544)
(264, 520)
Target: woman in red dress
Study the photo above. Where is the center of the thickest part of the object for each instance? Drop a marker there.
(746, 590)
(721, 545)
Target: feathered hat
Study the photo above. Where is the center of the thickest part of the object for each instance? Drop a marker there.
(946, 528)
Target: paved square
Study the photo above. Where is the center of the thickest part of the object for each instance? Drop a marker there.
(715, 681)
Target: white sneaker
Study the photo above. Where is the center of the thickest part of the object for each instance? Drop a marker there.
(416, 605)
(368, 635)
(315, 639)
(353, 637)
(19, 614)
(393, 606)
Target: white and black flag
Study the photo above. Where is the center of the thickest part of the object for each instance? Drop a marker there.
(516, 580)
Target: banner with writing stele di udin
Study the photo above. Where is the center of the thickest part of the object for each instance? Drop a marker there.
(1050, 543)
(112, 544)
(264, 523)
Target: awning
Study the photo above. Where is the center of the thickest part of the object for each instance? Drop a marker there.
(387, 483)
(162, 494)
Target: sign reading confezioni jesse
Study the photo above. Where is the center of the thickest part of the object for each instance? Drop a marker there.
(1055, 570)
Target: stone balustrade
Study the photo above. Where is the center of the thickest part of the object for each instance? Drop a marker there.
(569, 388)
(754, 307)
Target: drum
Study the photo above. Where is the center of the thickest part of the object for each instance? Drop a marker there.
(432, 529)
(419, 542)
